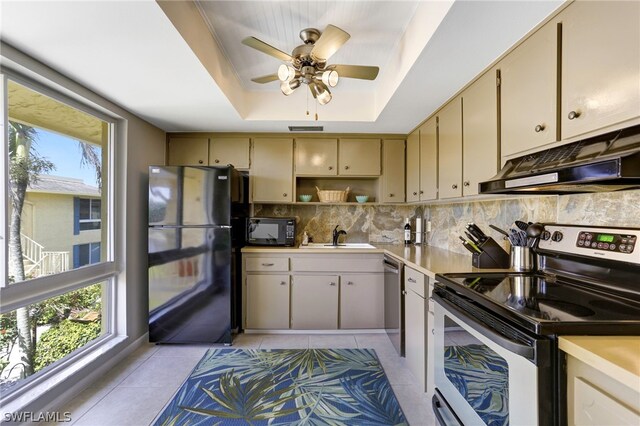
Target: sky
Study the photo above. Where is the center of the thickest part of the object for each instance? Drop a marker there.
(65, 154)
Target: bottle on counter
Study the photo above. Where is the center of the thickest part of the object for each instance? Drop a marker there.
(305, 239)
(407, 231)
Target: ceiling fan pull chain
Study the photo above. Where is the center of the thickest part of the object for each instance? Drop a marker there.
(307, 102)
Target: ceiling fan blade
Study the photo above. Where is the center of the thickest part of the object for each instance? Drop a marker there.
(265, 78)
(266, 48)
(356, 71)
(329, 42)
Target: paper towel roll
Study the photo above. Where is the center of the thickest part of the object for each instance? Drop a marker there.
(418, 230)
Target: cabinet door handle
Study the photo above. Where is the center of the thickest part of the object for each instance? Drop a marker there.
(284, 194)
(573, 115)
(330, 167)
(411, 280)
(421, 192)
(200, 162)
(350, 283)
(539, 128)
(390, 195)
(346, 167)
(267, 264)
(283, 283)
(466, 183)
(404, 292)
(216, 161)
(415, 193)
(332, 283)
(454, 186)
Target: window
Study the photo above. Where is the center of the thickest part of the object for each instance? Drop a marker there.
(88, 213)
(86, 254)
(56, 292)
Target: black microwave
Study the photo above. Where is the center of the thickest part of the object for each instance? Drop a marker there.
(271, 231)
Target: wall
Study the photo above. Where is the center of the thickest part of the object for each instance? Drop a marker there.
(383, 223)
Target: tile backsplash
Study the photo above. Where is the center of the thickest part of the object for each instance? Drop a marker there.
(384, 223)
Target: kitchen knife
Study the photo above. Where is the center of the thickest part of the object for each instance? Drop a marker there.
(472, 238)
(468, 247)
(470, 244)
(476, 232)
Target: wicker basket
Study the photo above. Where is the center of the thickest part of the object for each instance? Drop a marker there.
(332, 196)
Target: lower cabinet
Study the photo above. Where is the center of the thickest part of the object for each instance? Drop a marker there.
(362, 301)
(267, 301)
(314, 302)
(594, 398)
(415, 320)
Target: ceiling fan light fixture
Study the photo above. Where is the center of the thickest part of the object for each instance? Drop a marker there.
(330, 78)
(288, 87)
(321, 93)
(286, 73)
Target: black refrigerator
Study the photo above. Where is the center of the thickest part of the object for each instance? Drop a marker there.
(197, 219)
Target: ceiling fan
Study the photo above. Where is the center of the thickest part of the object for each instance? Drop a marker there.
(308, 63)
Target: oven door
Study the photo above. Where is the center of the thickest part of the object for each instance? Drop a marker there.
(484, 376)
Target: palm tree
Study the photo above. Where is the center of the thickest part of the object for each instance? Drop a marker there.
(25, 164)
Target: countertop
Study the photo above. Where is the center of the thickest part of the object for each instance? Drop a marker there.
(616, 356)
(426, 259)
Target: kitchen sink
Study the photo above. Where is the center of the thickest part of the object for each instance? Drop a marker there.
(339, 246)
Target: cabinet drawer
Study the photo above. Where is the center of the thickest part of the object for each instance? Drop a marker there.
(264, 264)
(415, 281)
(344, 263)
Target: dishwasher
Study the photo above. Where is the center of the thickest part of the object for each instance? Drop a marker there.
(394, 302)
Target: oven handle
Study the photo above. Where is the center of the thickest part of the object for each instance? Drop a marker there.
(441, 406)
(510, 345)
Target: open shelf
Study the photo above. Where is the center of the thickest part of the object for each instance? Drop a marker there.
(357, 186)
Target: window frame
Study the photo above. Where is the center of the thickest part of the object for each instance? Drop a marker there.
(90, 219)
(38, 289)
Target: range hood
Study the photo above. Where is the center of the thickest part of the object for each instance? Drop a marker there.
(609, 162)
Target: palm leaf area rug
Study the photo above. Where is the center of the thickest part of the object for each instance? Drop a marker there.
(285, 387)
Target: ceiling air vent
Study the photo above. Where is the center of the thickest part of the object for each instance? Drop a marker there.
(306, 128)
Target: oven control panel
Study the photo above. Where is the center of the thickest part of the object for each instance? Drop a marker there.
(623, 243)
(608, 243)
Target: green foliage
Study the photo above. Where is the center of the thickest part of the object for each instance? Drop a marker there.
(62, 339)
(54, 310)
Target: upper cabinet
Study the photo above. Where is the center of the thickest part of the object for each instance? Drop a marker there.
(359, 157)
(234, 151)
(185, 151)
(393, 171)
(429, 160)
(272, 170)
(450, 149)
(413, 166)
(480, 132)
(317, 157)
(528, 93)
(600, 65)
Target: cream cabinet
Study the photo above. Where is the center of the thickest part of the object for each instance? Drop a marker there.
(450, 149)
(314, 302)
(361, 301)
(234, 151)
(528, 94)
(316, 157)
(600, 65)
(429, 160)
(186, 151)
(272, 170)
(480, 132)
(359, 157)
(393, 171)
(413, 166)
(267, 301)
(596, 399)
(415, 319)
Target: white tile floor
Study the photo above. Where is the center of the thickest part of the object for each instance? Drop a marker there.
(136, 391)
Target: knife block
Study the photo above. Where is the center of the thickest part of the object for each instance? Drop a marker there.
(493, 256)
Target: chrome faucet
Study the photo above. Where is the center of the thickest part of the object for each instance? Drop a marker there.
(336, 235)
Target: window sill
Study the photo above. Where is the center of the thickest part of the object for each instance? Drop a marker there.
(52, 385)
